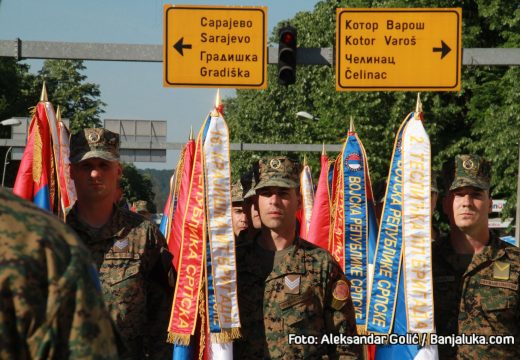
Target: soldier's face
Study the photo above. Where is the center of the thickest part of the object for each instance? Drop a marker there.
(251, 210)
(468, 208)
(96, 179)
(238, 217)
(277, 207)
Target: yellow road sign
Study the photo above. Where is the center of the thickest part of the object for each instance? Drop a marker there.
(209, 46)
(398, 49)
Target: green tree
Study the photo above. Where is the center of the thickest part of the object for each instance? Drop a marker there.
(17, 93)
(66, 86)
(483, 117)
(137, 186)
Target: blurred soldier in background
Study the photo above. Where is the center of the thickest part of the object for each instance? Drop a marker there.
(238, 216)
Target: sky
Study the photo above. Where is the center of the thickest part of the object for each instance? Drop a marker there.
(131, 90)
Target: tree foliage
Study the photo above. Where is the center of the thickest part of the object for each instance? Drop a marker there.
(137, 186)
(66, 86)
(483, 118)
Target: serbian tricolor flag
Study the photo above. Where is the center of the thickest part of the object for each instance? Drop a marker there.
(166, 220)
(320, 219)
(307, 193)
(402, 290)
(37, 178)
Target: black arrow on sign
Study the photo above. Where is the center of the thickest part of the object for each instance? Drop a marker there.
(444, 49)
(179, 46)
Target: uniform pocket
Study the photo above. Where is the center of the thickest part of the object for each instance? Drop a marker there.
(119, 267)
(302, 314)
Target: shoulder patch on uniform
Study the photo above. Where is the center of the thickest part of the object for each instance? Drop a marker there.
(501, 270)
(340, 294)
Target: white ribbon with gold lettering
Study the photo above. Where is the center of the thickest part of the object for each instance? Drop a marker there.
(417, 228)
(220, 231)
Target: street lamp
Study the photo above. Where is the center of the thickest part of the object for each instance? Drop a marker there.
(306, 115)
(11, 122)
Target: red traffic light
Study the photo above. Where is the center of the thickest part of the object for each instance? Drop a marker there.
(287, 37)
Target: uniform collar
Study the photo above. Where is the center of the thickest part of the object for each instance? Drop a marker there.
(493, 251)
(114, 228)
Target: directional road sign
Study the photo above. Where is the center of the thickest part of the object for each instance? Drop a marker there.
(208, 46)
(398, 49)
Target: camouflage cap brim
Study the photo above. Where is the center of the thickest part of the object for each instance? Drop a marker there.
(250, 193)
(464, 181)
(277, 182)
(105, 155)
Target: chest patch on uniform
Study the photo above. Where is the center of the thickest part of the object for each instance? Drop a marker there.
(120, 245)
(500, 284)
(340, 294)
(292, 284)
(501, 270)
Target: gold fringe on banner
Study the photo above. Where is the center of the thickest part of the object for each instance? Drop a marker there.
(226, 336)
(202, 317)
(178, 339)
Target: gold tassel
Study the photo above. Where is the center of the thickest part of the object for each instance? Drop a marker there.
(178, 339)
(202, 313)
(361, 329)
(226, 335)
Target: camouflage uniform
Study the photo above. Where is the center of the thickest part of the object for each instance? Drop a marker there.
(51, 305)
(133, 263)
(141, 206)
(476, 294)
(304, 293)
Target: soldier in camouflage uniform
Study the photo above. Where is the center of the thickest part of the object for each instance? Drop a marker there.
(51, 305)
(141, 207)
(238, 216)
(248, 182)
(287, 285)
(129, 251)
(476, 275)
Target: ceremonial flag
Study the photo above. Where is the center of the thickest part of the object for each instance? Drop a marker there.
(320, 220)
(37, 177)
(184, 173)
(307, 194)
(66, 184)
(357, 198)
(205, 316)
(191, 257)
(405, 304)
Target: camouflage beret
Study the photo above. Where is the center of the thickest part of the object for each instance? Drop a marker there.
(278, 171)
(94, 143)
(249, 181)
(237, 193)
(467, 170)
(141, 206)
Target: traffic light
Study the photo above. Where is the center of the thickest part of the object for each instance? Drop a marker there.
(287, 55)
